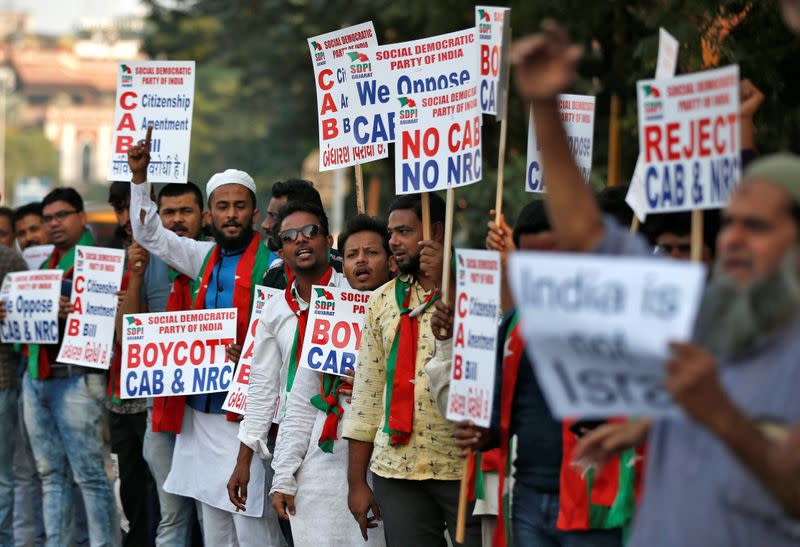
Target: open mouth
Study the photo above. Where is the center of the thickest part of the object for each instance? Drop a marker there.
(362, 273)
(302, 252)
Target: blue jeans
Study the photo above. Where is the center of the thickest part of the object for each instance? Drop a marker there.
(64, 417)
(28, 524)
(534, 519)
(8, 434)
(177, 512)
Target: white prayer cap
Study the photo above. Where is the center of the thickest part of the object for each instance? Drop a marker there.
(230, 176)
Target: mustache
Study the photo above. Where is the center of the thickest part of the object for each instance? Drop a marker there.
(232, 224)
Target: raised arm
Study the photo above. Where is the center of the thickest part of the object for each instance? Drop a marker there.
(182, 253)
(545, 66)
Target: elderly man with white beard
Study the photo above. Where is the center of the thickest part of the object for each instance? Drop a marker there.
(727, 471)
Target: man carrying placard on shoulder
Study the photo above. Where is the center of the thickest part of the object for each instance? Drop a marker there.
(394, 421)
(225, 270)
(63, 403)
(302, 231)
(723, 471)
(310, 483)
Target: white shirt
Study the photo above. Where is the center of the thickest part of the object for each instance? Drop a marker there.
(182, 253)
(266, 394)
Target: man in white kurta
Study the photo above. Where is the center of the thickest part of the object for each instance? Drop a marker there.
(310, 485)
(202, 459)
(302, 230)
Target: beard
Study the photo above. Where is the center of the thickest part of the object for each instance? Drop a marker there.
(232, 243)
(410, 266)
(732, 319)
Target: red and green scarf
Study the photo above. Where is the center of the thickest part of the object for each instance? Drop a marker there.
(39, 359)
(593, 500)
(168, 411)
(300, 330)
(401, 365)
(327, 400)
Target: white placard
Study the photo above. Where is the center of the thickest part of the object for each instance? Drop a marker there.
(89, 332)
(177, 353)
(689, 140)
(236, 401)
(338, 57)
(333, 332)
(597, 328)
(36, 255)
(577, 115)
(424, 93)
(493, 26)
(31, 300)
(477, 308)
(161, 94)
(666, 64)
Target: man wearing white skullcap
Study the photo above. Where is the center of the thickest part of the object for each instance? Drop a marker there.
(222, 274)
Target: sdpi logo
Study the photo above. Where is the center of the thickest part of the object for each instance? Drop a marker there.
(127, 75)
(319, 54)
(134, 330)
(325, 303)
(409, 114)
(360, 66)
(653, 105)
(484, 23)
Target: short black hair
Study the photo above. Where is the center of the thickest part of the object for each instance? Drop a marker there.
(23, 211)
(532, 219)
(300, 207)
(297, 190)
(174, 189)
(611, 201)
(119, 194)
(680, 224)
(9, 213)
(365, 223)
(69, 195)
(414, 202)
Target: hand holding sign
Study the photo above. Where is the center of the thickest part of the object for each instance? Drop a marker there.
(139, 158)
(601, 444)
(442, 321)
(545, 63)
(139, 257)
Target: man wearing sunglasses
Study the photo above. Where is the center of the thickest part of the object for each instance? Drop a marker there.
(223, 274)
(302, 231)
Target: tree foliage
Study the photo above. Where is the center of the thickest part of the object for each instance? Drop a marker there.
(256, 104)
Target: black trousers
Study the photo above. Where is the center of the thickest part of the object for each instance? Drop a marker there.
(137, 489)
(418, 512)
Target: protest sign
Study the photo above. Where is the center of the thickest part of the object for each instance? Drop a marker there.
(597, 328)
(177, 353)
(89, 336)
(31, 300)
(477, 309)
(665, 68)
(161, 94)
(333, 335)
(236, 401)
(689, 140)
(35, 256)
(577, 115)
(493, 26)
(338, 57)
(425, 93)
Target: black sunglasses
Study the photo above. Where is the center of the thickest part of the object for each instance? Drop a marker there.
(308, 231)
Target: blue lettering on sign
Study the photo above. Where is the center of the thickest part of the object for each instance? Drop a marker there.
(673, 189)
(723, 179)
(46, 330)
(487, 96)
(333, 363)
(149, 384)
(368, 91)
(411, 175)
(464, 168)
(211, 379)
(382, 130)
(535, 180)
